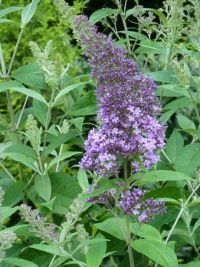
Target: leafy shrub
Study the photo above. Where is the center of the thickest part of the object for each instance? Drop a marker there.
(110, 211)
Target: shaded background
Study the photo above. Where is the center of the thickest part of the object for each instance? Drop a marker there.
(94, 5)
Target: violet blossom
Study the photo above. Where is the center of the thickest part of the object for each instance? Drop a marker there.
(127, 107)
(134, 203)
(131, 202)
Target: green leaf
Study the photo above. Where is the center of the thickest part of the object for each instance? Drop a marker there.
(6, 85)
(160, 14)
(129, 12)
(167, 115)
(190, 264)
(168, 192)
(171, 90)
(64, 155)
(22, 149)
(24, 91)
(20, 262)
(188, 159)
(28, 12)
(145, 231)
(65, 188)
(178, 103)
(85, 111)
(185, 123)
(21, 230)
(198, 133)
(83, 180)
(8, 211)
(5, 20)
(166, 76)
(101, 14)
(78, 122)
(136, 35)
(13, 194)
(86, 105)
(196, 226)
(116, 227)
(30, 75)
(150, 47)
(43, 186)
(52, 249)
(174, 144)
(58, 141)
(68, 89)
(9, 10)
(156, 251)
(113, 226)
(160, 175)
(49, 204)
(40, 111)
(27, 161)
(96, 252)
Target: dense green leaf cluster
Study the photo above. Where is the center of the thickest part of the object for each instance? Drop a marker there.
(46, 25)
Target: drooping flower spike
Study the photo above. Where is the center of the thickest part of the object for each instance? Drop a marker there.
(127, 107)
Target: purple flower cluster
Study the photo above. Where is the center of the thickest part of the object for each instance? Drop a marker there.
(127, 107)
(133, 203)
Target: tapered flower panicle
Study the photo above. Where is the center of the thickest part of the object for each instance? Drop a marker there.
(127, 107)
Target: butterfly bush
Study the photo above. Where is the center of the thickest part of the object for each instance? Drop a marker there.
(127, 107)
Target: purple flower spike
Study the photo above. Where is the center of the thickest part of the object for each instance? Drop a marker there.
(127, 107)
(133, 203)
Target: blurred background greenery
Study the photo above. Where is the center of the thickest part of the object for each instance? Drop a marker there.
(46, 25)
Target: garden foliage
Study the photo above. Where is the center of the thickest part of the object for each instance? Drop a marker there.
(100, 137)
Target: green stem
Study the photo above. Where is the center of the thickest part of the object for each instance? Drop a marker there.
(193, 241)
(13, 125)
(128, 242)
(10, 107)
(128, 227)
(165, 155)
(114, 264)
(123, 17)
(11, 112)
(15, 52)
(40, 163)
(52, 261)
(2, 61)
(21, 113)
(195, 106)
(7, 171)
(30, 181)
(79, 263)
(58, 163)
(48, 119)
(184, 205)
(9, 102)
